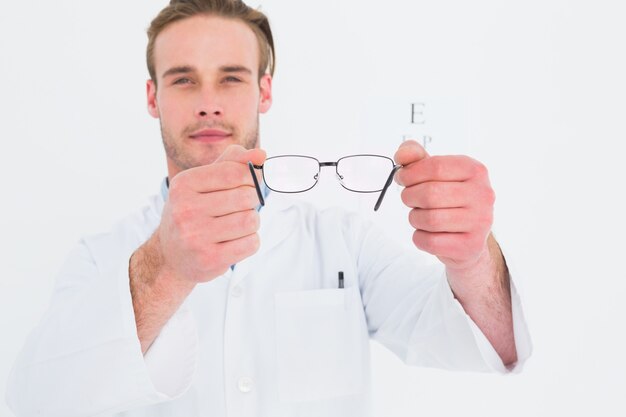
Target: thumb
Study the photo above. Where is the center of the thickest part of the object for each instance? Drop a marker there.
(409, 151)
(237, 153)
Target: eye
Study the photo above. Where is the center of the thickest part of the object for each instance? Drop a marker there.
(232, 79)
(182, 81)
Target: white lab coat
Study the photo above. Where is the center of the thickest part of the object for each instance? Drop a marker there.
(275, 337)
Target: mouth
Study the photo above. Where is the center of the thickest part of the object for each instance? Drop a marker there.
(210, 135)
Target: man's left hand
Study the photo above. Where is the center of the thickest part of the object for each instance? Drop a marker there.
(451, 201)
(452, 213)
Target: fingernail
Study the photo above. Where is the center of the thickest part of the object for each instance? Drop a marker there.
(397, 177)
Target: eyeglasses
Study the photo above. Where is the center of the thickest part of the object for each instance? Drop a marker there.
(299, 173)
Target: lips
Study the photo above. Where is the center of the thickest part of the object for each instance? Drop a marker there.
(209, 135)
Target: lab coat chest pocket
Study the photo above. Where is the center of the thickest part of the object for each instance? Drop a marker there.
(320, 343)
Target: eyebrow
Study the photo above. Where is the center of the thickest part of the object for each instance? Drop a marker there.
(236, 68)
(186, 69)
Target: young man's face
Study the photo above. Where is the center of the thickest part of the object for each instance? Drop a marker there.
(208, 94)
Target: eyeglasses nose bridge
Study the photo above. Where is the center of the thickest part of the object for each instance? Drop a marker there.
(325, 164)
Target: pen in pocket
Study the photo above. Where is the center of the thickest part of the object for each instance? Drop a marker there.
(340, 279)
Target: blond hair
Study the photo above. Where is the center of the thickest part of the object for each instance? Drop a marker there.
(233, 9)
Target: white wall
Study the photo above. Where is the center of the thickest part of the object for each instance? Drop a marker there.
(542, 97)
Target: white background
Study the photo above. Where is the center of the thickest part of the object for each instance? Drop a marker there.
(544, 82)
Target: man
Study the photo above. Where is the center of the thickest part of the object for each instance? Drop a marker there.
(202, 304)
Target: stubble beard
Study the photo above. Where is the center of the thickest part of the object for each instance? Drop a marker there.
(183, 159)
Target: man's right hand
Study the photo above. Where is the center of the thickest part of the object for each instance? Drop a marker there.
(209, 221)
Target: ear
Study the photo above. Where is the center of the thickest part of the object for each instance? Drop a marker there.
(151, 91)
(265, 98)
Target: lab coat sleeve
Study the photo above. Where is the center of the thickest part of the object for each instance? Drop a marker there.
(84, 358)
(411, 310)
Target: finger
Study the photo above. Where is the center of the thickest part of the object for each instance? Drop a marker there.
(221, 203)
(239, 249)
(453, 220)
(237, 153)
(439, 168)
(234, 225)
(230, 170)
(224, 175)
(436, 195)
(408, 152)
(450, 247)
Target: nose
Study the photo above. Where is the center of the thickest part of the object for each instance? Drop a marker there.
(204, 113)
(208, 105)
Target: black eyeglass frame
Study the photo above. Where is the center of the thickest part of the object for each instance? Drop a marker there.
(394, 169)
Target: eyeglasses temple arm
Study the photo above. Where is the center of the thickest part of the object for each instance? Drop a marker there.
(256, 182)
(387, 184)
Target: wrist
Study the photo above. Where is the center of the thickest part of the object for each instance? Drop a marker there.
(487, 274)
(149, 271)
(156, 291)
